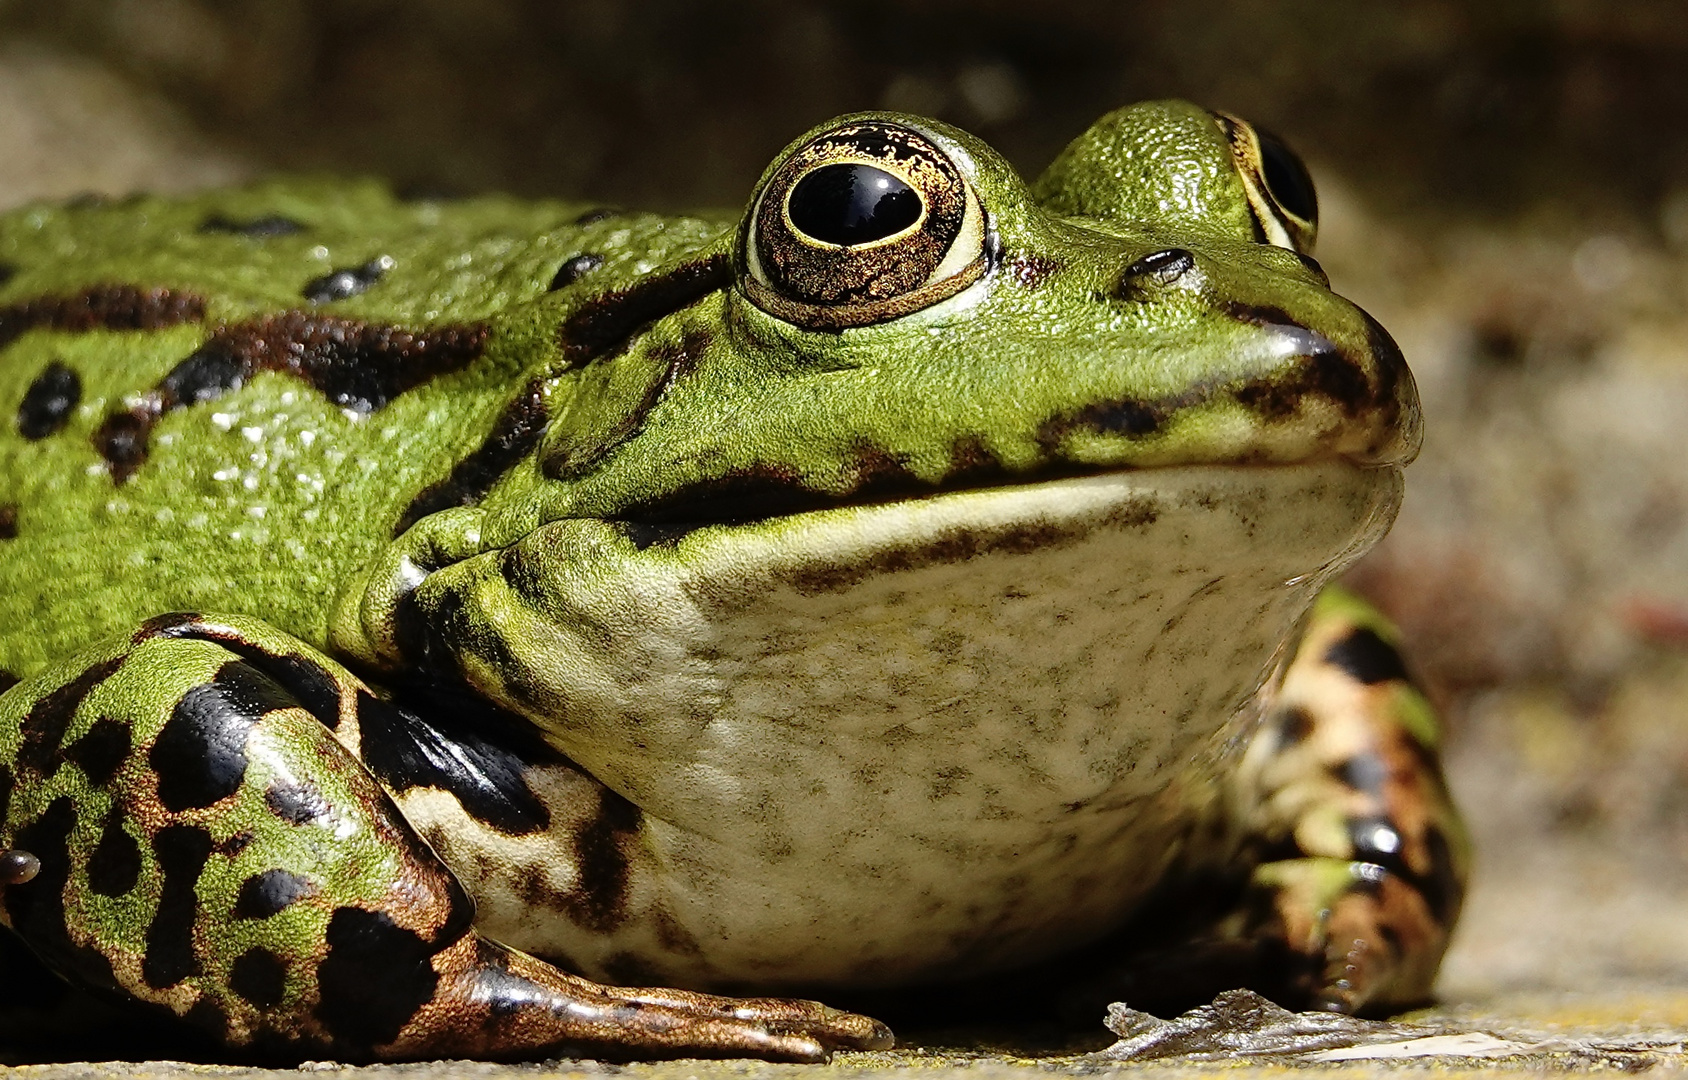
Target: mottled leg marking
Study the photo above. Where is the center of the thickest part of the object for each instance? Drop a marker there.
(183, 821)
(1363, 856)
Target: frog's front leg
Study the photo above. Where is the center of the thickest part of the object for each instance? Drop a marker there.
(185, 823)
(1363, 858)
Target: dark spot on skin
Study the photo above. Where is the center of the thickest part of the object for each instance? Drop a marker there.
(605, 323)
(514, 435)
(101, 307)
(355, 365)
(567, 461)
(236, 843)
(1328, 372)
(17, 867)
(36, 907)
(48, 402)
(200, 755)
(574, 269)
(973, 464)
(631, 969)
(115, 864)
(1127, 417)
(1363, 772)
(297, 804)
(603, 863)
(121, 439)
(476, 754)
(593, 216)
(347, 281)
(44, 726)
(1294, 725)
(7, 681)
(9, 531)
(1031, 269)
(1155, 270)
(1366, 657)
(753, 494)
(207, 374)
(643, 536)
(7, 273)
(674, 937)
(100, 750)
(262, 895)
(181, 851)
(258, 228)
(375, 977)
(1441, 887)
(7, 782)
(259, 976)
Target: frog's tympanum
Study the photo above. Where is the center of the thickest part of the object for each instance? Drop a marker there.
(434, 627)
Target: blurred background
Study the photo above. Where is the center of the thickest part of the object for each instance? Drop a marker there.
(1505, 185)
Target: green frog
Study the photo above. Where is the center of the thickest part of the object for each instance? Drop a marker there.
(505, 629)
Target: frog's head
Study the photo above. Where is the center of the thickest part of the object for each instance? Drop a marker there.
(906, 316)
(925, 450)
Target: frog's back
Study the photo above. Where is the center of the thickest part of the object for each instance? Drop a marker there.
(228, 403)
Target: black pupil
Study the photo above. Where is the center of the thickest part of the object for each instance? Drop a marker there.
(1287, 178)
(852, 204)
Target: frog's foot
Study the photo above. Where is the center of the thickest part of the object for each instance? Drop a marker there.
(183, 826)
(1363, 855)
(497, 1002)
(1359, 937)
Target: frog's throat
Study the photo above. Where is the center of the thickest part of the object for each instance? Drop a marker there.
(1018, 695)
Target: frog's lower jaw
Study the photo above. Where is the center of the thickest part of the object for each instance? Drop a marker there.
(899, 741)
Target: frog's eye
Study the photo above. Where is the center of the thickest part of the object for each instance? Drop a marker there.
(1280, 190)
(867, 222)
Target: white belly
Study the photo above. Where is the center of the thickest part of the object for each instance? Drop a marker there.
(929, 737)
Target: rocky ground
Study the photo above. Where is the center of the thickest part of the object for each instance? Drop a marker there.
(1523, 235)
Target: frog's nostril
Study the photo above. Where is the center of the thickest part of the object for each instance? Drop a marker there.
(1156, 268)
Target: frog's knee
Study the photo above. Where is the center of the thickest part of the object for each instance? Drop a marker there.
(181, 828)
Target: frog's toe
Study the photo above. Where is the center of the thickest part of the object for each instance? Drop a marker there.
(832, 1028)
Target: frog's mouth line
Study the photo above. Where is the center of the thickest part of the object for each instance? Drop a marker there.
(1369, 424)
(759, 496)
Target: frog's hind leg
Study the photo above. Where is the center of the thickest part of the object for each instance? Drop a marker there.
(1362, 856)
(184, 823)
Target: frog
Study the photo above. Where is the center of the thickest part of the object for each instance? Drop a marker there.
(499, 628)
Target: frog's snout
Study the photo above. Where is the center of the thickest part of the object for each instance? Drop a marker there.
(1349, 362)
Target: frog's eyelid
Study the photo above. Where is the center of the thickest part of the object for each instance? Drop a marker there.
(1272, 221)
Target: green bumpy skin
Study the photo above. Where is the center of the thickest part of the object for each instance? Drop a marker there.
(426, 616)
